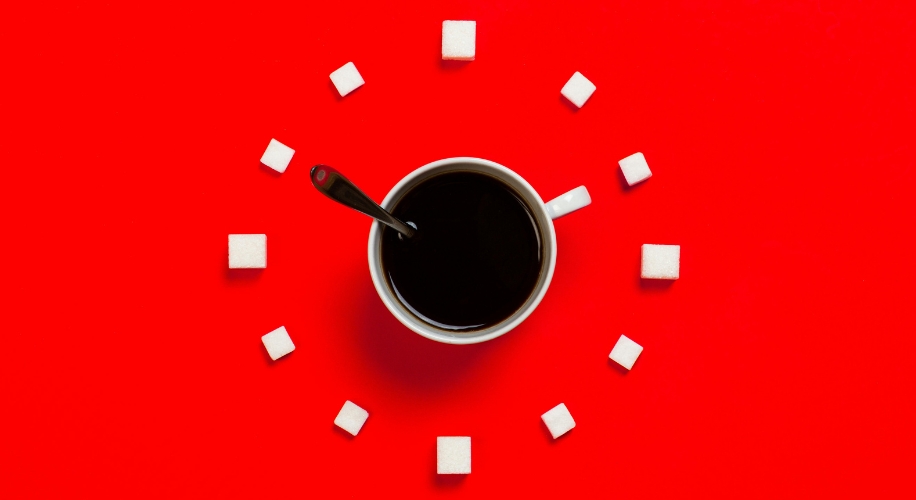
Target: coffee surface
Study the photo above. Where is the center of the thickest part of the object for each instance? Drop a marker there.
(476, 256)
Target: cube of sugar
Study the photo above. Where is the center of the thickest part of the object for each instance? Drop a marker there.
(459, 40)
(278, 343)
(453, 455)
(277, 155)
(558, 420)
(635, 169)
(661, 262)
(247, 251)
(347, 79)
(578, 89)
(351, 418)
(625, 352)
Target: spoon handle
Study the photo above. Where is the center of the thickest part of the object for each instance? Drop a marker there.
(338, 188)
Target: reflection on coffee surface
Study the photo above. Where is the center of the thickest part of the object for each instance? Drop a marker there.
(476, 257)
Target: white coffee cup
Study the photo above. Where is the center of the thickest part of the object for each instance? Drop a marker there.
(544, 214)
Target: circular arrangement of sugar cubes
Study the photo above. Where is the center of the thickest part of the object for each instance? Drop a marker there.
(659, 262)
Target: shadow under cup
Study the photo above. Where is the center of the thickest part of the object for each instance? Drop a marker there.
(508, 180)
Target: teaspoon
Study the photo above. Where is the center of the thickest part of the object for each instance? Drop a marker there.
(335, 186)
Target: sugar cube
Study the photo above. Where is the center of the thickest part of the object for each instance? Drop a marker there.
(453, 455)
(635, 169)
(661, 262)
(459, 40)
(625, 352)
(578, 89)
(351, 418)
(277, 155)
(558, 420)
(278, 343)
(347, 79)
(247, 251)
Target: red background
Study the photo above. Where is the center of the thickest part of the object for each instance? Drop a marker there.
(780, 138)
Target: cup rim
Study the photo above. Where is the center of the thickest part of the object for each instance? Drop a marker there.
(411, 323)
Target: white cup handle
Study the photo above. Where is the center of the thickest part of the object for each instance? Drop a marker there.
(568, 203)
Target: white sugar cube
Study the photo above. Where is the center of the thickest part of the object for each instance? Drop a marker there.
(635, 169)
(625, 352)
(277, 155)
(351, 418)
(247, 251)
(278, 343)
(347, 79)
(558, 420)
(578, 89)
(453, 455)
(459, 40)
(661, 262)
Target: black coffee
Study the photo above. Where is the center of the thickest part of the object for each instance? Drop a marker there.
(475, 258)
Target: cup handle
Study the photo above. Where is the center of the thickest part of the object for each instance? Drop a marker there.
(569, 202)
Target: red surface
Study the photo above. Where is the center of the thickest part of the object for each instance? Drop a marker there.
(780, 136)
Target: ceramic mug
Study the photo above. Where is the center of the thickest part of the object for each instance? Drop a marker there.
(544, 213)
